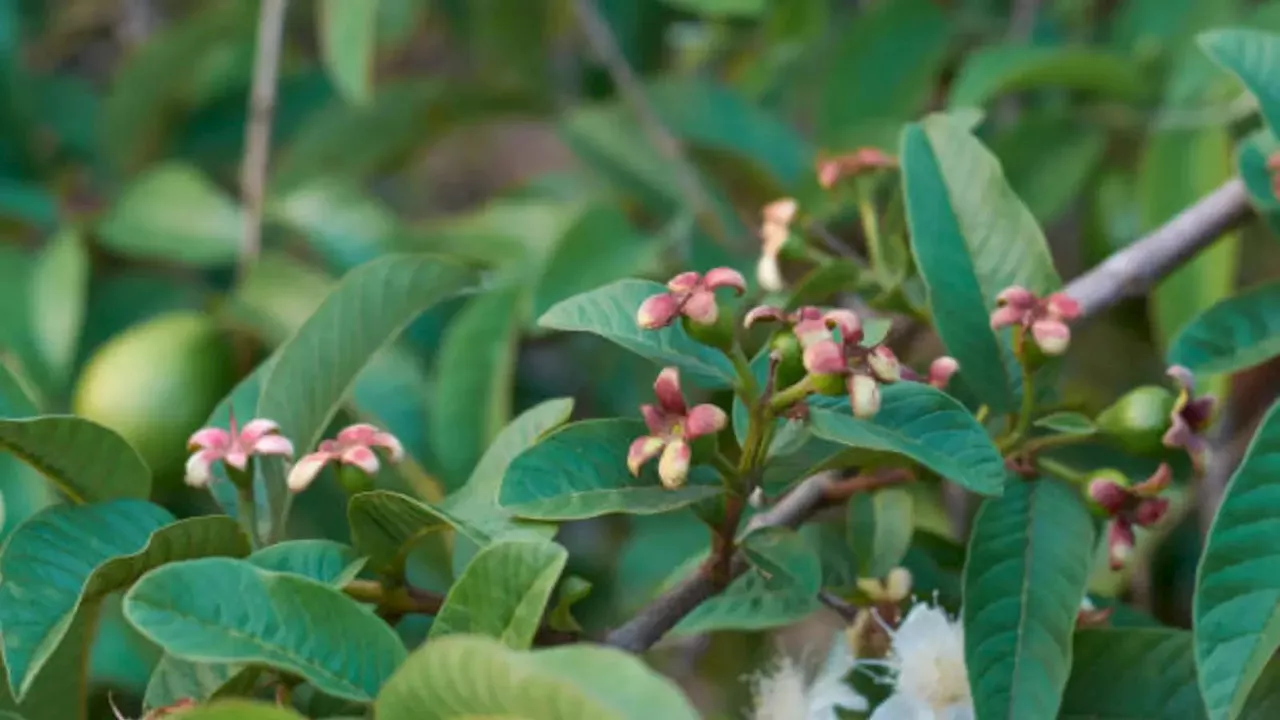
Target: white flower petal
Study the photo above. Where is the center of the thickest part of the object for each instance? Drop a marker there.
(902, 707)
(958, 711)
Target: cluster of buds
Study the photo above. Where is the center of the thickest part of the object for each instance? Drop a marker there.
(863, 160)
(1045, 318)
(1189, 418)
(673, 426)
(1111, 495)
(775, 230)
(235, 448)
(692, 296)
(837, 365)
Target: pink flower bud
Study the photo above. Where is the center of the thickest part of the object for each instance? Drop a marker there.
(884, 364)
(864, 396)
(667, 389)
(824, 358)
(643, 449)
(1120, 542)
(723, 277)
(705, 419)
(1052, 336)
(657, 312)
(1108, 494)
(673, 467)
(941, 371)
(763, 313)
(233, 447)
(353, 446)
(1005, 316)
(1016, 297)
(1062, 306)
(701, 307)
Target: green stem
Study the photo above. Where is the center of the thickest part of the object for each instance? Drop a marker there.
(247, 510)
(746, 386)
(790, 396)
(1023, 422)
(1060, 470)
(1053, 441)
(727, 469)
(870, 225)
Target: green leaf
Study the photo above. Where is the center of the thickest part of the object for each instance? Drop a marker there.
(59, 289)
(584, 260)
(1177, 168)
(386, 525)
(324, 561)
(1237, 333)
(920, 423)
(472, 401)
(880, 525)
(467, 676)
(998, 70)
(1237, 597)
(1132, 674)
(175, 213)
(720, 8)
(972, 237)
(240, 710)
(175, 680)
(64, 560)
(780, 588)
(572, 590)
(314, 371)
(503, 592)
(1051, 161)
(345, 225)
(242, 614)
(1067, 423)
(580, 471)
(1254, 57)
(610, 312)
(86, 461)
(348, 43)
(1252, 153)
(1029, 560)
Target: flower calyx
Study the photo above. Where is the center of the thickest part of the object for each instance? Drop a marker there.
(691, 297)
(235, 448)
(673, 426)
(1190, 416)
(1045, 318)
(352, 448)
(1110, 494)
(775, 231)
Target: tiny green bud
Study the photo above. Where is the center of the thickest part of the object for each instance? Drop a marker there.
(1139, 419)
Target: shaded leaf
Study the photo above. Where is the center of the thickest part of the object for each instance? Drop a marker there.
(86, 461)
(1067, 423)
(720, 8)
(324, 561)
(999, 70)
(880, 526)
(219, 610)
(1132, 674)
(1254, 57)
(1236, 333)
(348, 44)
(59, 289)
(175, 680)
(386, 525)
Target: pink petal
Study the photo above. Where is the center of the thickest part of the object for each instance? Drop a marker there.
(657, 311)
(254, 430)
(199, 470)
(210, 438)
(723, 277)
(864, 396)
(236, 457)
(773, 237)
(1151, 511)
(362, 457)
(848, 322)
(810, 332)
(824, 358)
(884, 364)
(654, 419)
(667, 390)
(274, 445)
(1183, 377)
(395, 451)
(358, 434)
(701, 307)
(1052, 336)
(1062, 306)
(780, 212)
(705, 420)
(685, 282)
(769, 274)
(1006, 316)
(302, 474)
(1199, 412)
(1119, 542)
(941, 370)
(1109, 495)
(329, 446)
(1157, 483)
(828, 173)
(642, 450)
(1016, 297)
(763, 313)
(673, 468)
(809, 313)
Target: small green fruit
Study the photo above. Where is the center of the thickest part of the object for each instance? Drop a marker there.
(718, 335)
(832, 385)
(1099, 490)
(791, 366)
(1138, 420)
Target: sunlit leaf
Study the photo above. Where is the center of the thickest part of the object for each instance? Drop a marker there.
(174, 212)
(86, 461)
(348, 43)
(1237, 333)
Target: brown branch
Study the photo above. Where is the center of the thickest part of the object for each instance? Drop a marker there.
(257, 135)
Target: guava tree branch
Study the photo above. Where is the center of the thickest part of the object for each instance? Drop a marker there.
(1131, 271)
(257, 135)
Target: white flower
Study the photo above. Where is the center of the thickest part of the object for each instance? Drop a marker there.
(785, 694)
(926, 660)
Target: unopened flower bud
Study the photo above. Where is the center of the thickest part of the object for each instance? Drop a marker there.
(941, 371)
(673, 467)
(1120, 542)
(864, 396)
(884, 364)
(1107, 491)
(1053, 336)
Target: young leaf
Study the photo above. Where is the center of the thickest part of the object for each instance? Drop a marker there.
(880, 525)
(580, 471)
(349, 45)
(1235, 334)
(59, 288)
(1254, 57)
(920, 423)
(471, 676)
(86, 461)
(241, 614)
(781, 587)
(64, 560)
(1237, 598)
(1067, 423)
(1132, 674)
(324, 561)
(972, 237)
(175, 680)
(503, 592)
(1029, 559)
(610, 312)
(998, 70)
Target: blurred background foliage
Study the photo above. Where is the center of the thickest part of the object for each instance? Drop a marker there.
(490, 130)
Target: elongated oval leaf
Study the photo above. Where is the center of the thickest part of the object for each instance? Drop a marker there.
(503, 592)
(994, 71)
(219, 610)
(174, 213)
(348, 42)
(580, 471)
(1029, 560)
(175, 680)
(468, 676)
(63, 560)
(1254, 57)
(972, 237)
(1067, 423)
(1237, 333)
(920, 423)
(610, 312)
(1132, 674)
(324, 561)
(880, 525)
(387, 525)
(1237, 598)
(59, 288)
(87, 462)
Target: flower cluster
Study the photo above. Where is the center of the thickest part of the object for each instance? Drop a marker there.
(1128, 506)
(775, 229)
(827, 357)
(672, 427)
(1045, 318)
(927, 668)
(691, 295)
(1189, 418)
(235, 448)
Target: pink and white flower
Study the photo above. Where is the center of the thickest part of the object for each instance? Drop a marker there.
(353, 446)
(234, 447)
(689, 294)
(1045, 318)
(1190, 416)
(672, 427)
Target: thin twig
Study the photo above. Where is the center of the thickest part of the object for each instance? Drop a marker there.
(844, 609)
(257, 135)
(605, 46)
